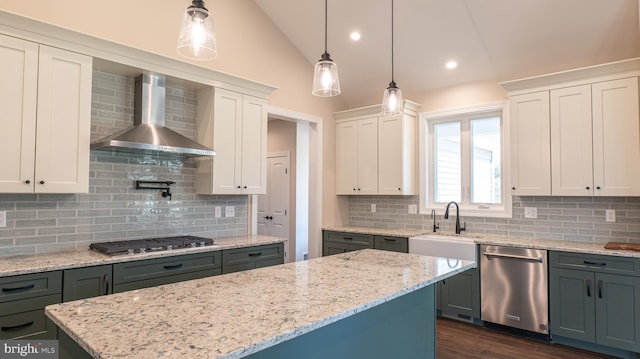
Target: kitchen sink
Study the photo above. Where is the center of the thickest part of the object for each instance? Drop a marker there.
(438, 245)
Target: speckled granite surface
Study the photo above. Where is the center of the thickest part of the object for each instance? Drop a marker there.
(554, 245)
(400, 232)
(23, 264)
(234, 315)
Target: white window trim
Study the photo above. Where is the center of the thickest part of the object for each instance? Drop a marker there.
(504, 211)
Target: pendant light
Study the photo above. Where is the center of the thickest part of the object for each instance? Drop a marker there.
(392, 99)
(197, 40)
(325, 74)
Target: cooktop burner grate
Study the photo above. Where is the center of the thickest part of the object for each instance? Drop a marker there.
(150, 245)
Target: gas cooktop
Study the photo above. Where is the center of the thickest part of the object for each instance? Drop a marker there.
(150, 245)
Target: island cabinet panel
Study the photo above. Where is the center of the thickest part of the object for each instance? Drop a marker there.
(394, 244)
(459, 295)
(239, 259)
(401, 328)
(22, 302)
(81, 283)
(154, 272)
(596, 301)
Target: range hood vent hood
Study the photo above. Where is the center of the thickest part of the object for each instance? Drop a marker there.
(148, 135)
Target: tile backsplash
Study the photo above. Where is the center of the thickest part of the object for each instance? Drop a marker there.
(558, 218)
(113, 209)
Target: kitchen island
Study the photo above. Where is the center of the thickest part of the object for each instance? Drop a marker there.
(367, 303)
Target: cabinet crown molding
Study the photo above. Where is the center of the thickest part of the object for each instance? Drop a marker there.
(410, 107)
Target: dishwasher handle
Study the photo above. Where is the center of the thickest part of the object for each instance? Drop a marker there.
(513, 256)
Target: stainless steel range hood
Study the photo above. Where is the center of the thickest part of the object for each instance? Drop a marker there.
(148, 135)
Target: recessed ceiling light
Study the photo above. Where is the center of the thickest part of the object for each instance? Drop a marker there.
(355, 36)
(451, 64)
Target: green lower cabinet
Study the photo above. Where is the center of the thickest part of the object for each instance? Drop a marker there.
(240, 259)
(81, 283)
(459, 295)
(394, 244)
(69, 349)
(592, 307)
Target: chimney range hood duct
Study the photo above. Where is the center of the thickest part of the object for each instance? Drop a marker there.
(149, 134)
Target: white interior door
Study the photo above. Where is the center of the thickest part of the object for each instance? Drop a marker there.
(273, 207)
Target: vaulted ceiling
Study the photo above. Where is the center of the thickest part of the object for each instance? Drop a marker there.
(490, 39)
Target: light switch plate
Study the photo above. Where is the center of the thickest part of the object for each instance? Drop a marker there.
(3, 219)
(413, 209)
(610, 215)
(373, 207)
(218, 211)
(229, 211)
(530, 212)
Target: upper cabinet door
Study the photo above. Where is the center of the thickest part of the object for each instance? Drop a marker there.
(254, 146)
(530, 144)
(347, 157)
(571, 142)
(616, 138)
(18, 100)
(227, 115)
(64, 122)
(368, 156)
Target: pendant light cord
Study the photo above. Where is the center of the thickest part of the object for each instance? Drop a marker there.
(392, 78)
(325, 24)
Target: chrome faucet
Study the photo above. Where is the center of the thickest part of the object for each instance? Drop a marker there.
(435, 226)
(446, 216)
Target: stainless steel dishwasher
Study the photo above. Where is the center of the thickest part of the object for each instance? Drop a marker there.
(513, 285)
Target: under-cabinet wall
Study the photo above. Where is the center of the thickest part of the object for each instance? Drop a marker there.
(113, 209)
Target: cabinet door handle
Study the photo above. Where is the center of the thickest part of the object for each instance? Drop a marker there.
(444, 282)
(599, 264)
(106, 282)
(588, 287)
(255, 254)
(239, 187)
(600, 289)
(598, 187)
(171, 267)
(16, 327)
(513, 188)
(27, 181)
(41, 182)
(587, 187)
(18, 289)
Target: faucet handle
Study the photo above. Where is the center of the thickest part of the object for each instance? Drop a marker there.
(463, 227)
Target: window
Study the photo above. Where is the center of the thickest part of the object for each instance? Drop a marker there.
(462, 159)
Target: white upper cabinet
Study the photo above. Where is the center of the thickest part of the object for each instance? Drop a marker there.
(594, 132)
(45, 96)
(376, 154)
(616, 138)
(571, 141)
(530, 148)
(235, 126)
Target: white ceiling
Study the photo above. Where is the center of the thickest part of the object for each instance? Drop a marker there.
(490, 39)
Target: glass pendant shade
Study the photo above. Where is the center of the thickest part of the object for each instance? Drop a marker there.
(197, 40)
(392, 100)
(325, 78)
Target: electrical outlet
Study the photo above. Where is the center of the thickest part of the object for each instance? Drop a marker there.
(530, 212)
(373, 207)
(229, 211)
(218, 211)
(3, 219)
(413, 209)
(610, 215)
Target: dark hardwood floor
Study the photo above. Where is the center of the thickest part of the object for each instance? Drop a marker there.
(457, 340)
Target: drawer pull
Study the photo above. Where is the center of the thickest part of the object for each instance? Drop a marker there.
(599, 264)
(255, 254)
(347, 238)
(171, 267)
(389, 240)
(19, 289)
(15, 328)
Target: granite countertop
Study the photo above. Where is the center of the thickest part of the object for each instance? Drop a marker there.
(36, 263)
(396, 232)
(548, 244)
(237, 314)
